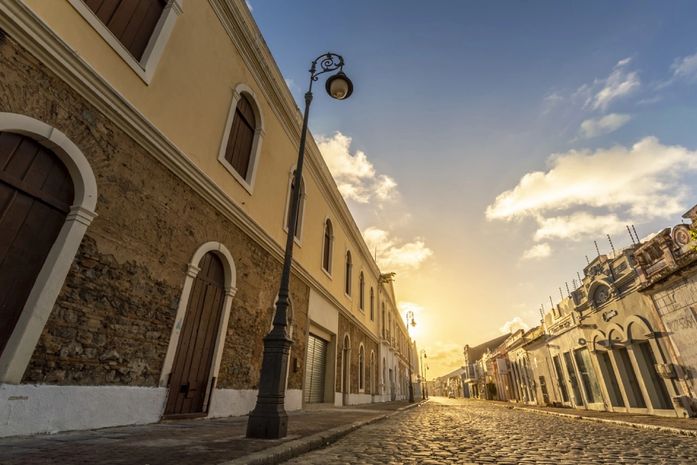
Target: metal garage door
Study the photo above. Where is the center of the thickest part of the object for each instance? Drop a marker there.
(315, 369)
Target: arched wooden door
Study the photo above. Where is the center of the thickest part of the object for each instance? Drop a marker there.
(192, 363)
(36, 193)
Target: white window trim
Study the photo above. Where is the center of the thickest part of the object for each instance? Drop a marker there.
(146, 66)
(361, 369)
(301, 218)
(349, 294)
(361, 288)
(249, 182)
(39, 304)
(230, 291)
(331, 248)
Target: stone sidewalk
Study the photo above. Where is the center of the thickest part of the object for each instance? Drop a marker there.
(192, 442)
(685, 426)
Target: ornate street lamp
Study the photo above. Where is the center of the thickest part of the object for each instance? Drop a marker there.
(269, 419)
(424, 394)
(410, 321)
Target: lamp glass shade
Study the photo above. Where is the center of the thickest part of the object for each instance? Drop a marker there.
(339, 86)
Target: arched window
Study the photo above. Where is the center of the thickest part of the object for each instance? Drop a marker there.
(328, 246)
(361, 291)
(372, 304)
(361, 368)
(241, 139)
(384, 328)
(349, 266)
(301, 207)
(389, 325)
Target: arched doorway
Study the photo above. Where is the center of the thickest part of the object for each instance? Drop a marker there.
(36, 194)
(190, 378)
(346, 370)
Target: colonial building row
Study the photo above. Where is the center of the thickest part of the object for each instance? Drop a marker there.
(622, 341)
(147, 149)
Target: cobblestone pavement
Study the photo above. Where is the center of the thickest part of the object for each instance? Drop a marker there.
(445, 431)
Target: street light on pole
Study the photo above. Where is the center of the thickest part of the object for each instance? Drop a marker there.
(424, 394)
(269, 419)
(410, 321)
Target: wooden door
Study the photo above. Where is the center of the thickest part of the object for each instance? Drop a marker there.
(36, 193)
(190, 376)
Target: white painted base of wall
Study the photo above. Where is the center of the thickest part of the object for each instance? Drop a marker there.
(42, 408)
(294, 399)
(357, 399)
(30, 409)
(235, 402)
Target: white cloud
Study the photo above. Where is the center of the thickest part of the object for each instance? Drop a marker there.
(394, 255)
(355, 175)
(594, 127)
(537, 251)
(585, 192)
(619, 83)
(514, 325)
(578, 225)
(685, 68)
(551, 101)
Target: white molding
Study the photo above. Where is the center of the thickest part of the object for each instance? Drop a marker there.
(33, 35)
(331, 247)
(255, 155)
(39, 305)
(230, 289)
(146, 66)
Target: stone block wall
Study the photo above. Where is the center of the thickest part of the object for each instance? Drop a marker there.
(112, 320)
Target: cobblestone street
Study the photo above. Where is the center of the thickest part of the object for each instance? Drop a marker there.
(447, 431)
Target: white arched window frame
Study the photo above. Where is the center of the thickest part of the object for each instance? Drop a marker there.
(327, 247)
(248, 181)
(361, 291)
(348, 268)
(230, 290)
(372, 372)
(361, 368)
(301, 207)
(145, 66)
(37, 309)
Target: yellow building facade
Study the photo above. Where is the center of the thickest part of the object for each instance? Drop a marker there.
(146, 120)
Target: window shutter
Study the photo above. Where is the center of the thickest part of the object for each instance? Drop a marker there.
(131, 21)
(239, 145)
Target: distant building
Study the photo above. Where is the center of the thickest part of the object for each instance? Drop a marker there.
(474, 380)
(623, 340)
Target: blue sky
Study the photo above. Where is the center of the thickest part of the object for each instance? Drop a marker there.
(459, 103)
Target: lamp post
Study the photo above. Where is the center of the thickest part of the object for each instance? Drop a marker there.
(269, 419)
(424, 394)
(410, 321)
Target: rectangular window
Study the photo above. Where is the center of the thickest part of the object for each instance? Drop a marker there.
(131, 21)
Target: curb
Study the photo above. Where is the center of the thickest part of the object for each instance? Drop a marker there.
(292, 449)
(665, 429)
